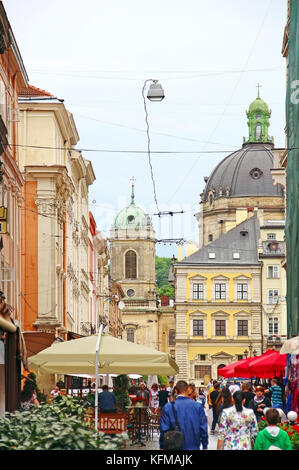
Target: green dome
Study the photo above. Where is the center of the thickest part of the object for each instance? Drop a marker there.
(131, 216)
(258, 105)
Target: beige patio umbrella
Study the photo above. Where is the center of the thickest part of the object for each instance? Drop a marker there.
(291, 346)
(115, 356)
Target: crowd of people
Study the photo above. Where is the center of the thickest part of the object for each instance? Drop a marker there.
(236, 412)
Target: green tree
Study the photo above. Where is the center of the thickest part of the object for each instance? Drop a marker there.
(162, 272)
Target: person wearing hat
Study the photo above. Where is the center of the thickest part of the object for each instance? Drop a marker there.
(259, 402)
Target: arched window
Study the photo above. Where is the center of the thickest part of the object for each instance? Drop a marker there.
(131, 265)
(258, 131)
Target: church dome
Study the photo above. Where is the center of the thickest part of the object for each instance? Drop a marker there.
(245, 172)
(131, 216)
(259, 105)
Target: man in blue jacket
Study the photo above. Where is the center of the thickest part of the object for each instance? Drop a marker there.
(191, 418)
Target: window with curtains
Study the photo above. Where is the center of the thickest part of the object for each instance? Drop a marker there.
(131, 265)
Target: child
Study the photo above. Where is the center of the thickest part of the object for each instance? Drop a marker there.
(276, 394)
(272, 437)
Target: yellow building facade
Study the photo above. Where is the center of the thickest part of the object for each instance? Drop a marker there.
(218, 304)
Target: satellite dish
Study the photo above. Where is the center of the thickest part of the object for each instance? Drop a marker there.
(121, 305)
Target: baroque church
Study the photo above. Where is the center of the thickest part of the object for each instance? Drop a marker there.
(132, 265)
(230, 294)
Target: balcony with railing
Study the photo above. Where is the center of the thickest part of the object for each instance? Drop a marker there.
(272, 248)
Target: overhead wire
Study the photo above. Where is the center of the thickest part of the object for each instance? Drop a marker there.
(230, 98)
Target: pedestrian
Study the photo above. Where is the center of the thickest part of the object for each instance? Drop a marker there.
(29, 397)
(234, 387)
(224, 400)
(201, 398)
(238, 426)
(163, 396)
(213, 398)
(272, 437)
(247, 391)
(210, 390)
(107, 401)
(55, 392)
(192, 393)
(170, 388)
(259, 402)
(144, 394)
(276, 394)
(154, 398)
(191, 419)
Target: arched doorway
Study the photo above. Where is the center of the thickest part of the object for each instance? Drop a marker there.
(219, 367)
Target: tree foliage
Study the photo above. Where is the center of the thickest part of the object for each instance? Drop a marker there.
(58, 425)
(162, 272)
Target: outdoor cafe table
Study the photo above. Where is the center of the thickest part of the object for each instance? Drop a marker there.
(139, 408)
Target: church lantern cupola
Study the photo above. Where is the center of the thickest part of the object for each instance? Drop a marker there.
(258, 122)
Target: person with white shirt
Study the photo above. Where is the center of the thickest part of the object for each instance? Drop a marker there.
(234, 387)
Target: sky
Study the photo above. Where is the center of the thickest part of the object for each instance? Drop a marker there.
(208, 57)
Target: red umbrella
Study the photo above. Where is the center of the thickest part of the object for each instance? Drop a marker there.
(270, 365)
(244, 370)
(229, 370)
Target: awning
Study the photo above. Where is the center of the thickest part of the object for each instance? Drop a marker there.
(37, 341)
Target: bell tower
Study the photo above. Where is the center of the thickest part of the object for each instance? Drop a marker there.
(132, 264)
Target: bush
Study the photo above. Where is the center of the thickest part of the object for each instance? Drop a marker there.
(58, 425)
(122, 384)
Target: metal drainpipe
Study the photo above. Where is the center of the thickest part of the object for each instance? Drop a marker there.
(64, 278)
(96, 406)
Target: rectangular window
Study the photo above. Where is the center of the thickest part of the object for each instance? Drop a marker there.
(202, 357)
(197, 327)
(131, 335)
(271, 236)
(242, 291)
(272, 296)
(220, 291)
(220, 329)
(242, 327)
(201, 371)
(273, 326)
(273, 271)
(197, 291)
(171, 339)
